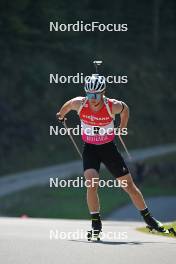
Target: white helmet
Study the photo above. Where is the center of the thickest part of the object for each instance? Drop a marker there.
(95, 84)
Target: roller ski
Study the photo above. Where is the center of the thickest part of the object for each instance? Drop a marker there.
(155, 226)
(95, 233)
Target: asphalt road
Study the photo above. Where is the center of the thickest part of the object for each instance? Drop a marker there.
(43, 241)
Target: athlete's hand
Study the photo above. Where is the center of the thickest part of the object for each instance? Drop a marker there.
(60, 117)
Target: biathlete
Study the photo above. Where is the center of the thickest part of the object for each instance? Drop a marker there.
(97, 111)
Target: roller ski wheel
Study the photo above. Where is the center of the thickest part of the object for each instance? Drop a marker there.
(93, 235)
(172, 231)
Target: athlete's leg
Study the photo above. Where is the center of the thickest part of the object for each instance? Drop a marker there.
(138, 200)
(118, 168)
(92, 178)
(135, 194)
(91, 165)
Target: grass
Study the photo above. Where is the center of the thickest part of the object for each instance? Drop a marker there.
(37, 157)
(144, 230)
(43, 201)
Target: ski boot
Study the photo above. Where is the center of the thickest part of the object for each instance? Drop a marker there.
(94, 234)
(155, 225)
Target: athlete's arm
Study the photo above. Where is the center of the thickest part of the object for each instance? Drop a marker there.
(119, 107)
(70, 105)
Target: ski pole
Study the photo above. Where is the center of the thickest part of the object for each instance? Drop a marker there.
(121, 140)
(73, 141)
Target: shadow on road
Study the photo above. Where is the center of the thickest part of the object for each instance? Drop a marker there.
(108, 242)
(132, 243)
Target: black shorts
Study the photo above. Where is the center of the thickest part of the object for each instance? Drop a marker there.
(108, 154)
